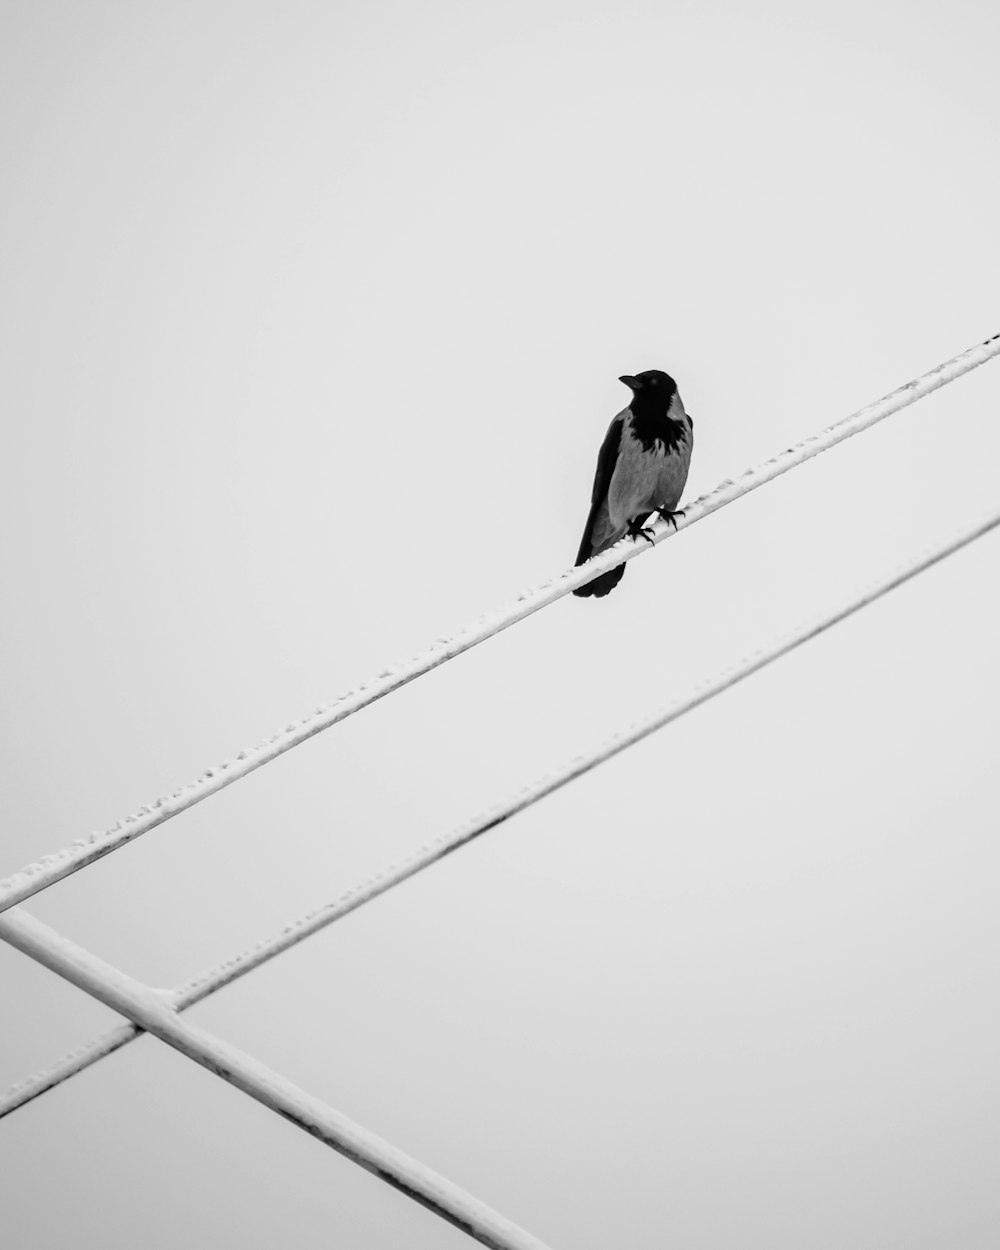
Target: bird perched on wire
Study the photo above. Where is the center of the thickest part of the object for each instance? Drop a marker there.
(641, 468)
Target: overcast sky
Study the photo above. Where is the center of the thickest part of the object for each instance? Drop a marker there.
(312, 315)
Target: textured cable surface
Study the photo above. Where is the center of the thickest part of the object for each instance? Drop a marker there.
(296, 931)
(148, 1008)
(51, 868)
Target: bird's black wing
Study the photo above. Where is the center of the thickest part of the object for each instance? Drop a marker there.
(607, 458)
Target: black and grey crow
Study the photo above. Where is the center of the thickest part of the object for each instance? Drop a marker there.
(641, 468)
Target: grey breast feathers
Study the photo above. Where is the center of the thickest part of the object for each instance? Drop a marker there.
(645, 478)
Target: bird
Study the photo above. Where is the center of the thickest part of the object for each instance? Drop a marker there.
(642, 468)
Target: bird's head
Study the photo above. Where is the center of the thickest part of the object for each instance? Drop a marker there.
(651, 382)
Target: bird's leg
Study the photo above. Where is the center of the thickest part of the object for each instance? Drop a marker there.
(667, 515)
(636, 529)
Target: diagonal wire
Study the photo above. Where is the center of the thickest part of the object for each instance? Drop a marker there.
(230, 970)
(145, 1006)
(38, 876)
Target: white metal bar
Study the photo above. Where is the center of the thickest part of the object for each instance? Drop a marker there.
(296, 931)
(38, 876)
(151, 1010)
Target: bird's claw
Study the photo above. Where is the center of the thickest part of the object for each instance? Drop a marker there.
(667, 515)
(635, 530)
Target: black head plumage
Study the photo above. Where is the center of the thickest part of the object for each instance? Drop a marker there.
(652, 405)
(651, 382)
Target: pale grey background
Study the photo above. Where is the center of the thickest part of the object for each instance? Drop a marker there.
(312, 315)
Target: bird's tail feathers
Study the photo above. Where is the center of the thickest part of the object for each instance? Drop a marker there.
(597, 537)
(602, 585)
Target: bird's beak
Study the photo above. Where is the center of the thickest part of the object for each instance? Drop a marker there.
(629, 380)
